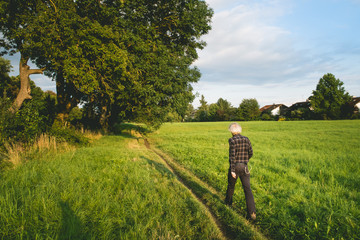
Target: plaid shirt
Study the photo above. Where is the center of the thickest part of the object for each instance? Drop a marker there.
(240, 150)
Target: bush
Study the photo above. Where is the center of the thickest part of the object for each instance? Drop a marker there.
(67, 134)
(266, 117)
(22, 126)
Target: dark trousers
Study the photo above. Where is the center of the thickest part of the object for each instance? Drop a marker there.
(241, 171)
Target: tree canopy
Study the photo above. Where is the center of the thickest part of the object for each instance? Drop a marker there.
(330, 99)
(122, 59)
(249, 109)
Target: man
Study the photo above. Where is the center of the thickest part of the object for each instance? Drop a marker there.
(240, 151)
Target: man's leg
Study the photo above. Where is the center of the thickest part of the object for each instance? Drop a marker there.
(230, 189)
(249, 197)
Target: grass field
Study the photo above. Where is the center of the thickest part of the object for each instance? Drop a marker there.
(305, 175)
(114, 189)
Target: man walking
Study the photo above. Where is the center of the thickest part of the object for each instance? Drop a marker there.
(240, 151)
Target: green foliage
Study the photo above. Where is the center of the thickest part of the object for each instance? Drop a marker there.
(25, 125)
(9, 86)
(35, 117)
(67, 134)
(304, 175)
(106, 191)
(213, 110)
(329, 98)
(75, 117)
(190, 113)
(225, 110)
(173, 117)
(127, 60)
(249, 109)
(219, 111)
(202, 114)
(301, 114)
(266, 117)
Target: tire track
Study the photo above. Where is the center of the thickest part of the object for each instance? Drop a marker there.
(211, 215)
(198, 188)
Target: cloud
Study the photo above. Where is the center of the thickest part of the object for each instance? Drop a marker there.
(251, 53)
(246, 46)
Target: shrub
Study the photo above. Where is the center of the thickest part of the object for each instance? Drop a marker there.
(34, 118)
(67, 134)
(266, 117)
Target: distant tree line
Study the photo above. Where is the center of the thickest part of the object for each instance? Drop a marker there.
(329, 101)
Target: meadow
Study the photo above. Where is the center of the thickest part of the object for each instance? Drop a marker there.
(305, 175)
(113, 189)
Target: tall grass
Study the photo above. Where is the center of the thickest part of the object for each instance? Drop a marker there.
(304, 175)
(113, 189)
(17, 153)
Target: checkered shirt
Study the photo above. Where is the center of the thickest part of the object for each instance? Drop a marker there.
(240, 150)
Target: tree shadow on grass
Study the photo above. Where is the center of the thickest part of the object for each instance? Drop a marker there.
(160, 168)
(71, 225)
(130, 130)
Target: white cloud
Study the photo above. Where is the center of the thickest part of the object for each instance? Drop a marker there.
(244, 46)
(250, 54)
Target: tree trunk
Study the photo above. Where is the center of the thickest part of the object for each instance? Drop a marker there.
(25, 90)
(65, 96)
(104, 118)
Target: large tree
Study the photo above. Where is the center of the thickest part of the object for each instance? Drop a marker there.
(329, 98)
(249, 109)
(127, 59)
(225, 111)
(202, 113)
(14, 28)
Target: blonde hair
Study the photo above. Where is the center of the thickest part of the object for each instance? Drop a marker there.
(235, 128)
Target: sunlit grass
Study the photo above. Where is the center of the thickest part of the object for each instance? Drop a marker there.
(17, 153)
(113, 189)
(304, 175)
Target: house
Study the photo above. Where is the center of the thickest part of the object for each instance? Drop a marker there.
(355, 102)
(296, 106)
(274, 109)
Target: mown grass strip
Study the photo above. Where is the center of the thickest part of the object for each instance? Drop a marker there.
(232, 224)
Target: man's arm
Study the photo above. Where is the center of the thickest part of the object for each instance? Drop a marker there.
(250, 150)
(232, 152)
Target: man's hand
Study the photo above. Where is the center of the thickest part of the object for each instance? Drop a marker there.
(233, 174)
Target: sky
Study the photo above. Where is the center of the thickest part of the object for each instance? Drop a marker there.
(277, 50)
(274, 51)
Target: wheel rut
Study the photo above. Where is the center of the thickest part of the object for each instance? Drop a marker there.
(227, 233)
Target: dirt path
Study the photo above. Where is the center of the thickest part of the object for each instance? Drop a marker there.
(180, 173)
(209, 213)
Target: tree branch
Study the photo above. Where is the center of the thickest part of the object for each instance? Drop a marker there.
(53, 5)
(36, 71)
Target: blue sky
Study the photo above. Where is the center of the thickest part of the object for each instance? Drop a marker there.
(277, 50)
(274, 51)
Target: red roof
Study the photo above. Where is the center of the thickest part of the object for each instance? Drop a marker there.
(270, 107)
